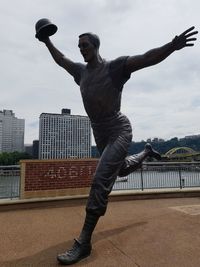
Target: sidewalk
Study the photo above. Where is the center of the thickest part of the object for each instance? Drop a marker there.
(134, 233)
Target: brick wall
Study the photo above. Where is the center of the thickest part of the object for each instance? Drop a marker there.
(46, 178)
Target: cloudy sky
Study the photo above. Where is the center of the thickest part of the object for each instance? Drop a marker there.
(161, 101)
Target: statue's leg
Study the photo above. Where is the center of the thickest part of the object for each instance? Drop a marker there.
(133, 162)
(106, 173)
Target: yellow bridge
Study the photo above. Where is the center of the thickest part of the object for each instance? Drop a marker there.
(182, 153)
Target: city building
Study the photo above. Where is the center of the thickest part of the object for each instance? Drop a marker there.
(64, 136)
(32, 149)
(28, 149)
(11, 132)
(35, 149)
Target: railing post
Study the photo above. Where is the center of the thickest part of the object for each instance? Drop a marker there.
(19, 182)
(142, 185)
(11, 189)
(11, 181)
(179, 171)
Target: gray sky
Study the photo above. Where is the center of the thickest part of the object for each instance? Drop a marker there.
(161, 101)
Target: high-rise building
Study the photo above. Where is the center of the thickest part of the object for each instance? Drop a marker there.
(64, 136)
(35, 149)
(11, 132)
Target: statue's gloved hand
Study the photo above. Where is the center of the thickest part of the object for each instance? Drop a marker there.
(184, 39)
(42, 39)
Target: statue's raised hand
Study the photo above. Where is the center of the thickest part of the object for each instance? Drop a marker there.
(184, 39)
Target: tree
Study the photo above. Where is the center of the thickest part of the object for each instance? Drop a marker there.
(13, 158)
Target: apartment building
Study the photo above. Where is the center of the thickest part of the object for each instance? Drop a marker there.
(11, 132)
(64, 136)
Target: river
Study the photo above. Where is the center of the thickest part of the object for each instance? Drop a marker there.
(10, 185)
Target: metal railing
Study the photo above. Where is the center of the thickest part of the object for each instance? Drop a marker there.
(9, 181)
(150, 176)
(161, 175)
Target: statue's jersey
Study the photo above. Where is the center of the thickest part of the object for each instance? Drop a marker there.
(101, 87)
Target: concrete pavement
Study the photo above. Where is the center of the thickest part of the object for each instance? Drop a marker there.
(133, 233)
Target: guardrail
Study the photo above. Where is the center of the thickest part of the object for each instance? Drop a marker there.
(161, 175)
(9, 181)
(157, 175)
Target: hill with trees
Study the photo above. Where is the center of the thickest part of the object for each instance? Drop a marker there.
(161, 145)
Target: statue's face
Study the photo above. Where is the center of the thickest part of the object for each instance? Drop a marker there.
(87, 49)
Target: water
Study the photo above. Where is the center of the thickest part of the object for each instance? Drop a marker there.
(155, 179)
(159, 179)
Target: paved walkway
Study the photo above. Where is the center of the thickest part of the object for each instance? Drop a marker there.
(135, 233)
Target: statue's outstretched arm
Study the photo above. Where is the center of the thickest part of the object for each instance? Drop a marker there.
(157, 55)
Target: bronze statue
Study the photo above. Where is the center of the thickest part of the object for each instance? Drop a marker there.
(101, 83)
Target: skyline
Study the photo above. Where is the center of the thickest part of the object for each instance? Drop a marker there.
(147, 139)
(161, 101)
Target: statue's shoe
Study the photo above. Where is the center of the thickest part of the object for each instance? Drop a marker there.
(151, 152)
(78, 252)
(134, 162)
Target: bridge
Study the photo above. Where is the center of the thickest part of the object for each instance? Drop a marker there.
(182, 153)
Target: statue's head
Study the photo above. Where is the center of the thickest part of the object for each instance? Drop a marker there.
(94, 39)
(89, 46)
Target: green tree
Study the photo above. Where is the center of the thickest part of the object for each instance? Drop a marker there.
(13, 158)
